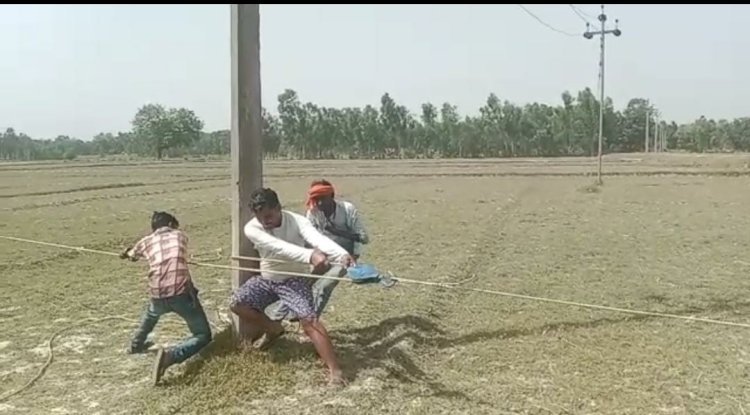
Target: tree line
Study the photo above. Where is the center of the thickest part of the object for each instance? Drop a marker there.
(304, 130)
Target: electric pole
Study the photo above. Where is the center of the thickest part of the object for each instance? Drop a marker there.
(661, 144)
(246, 140)
(588, 35)
(648, 115)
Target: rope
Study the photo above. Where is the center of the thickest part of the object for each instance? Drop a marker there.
(305, 275)
(81, 249)
(84, 322)
(433, 284)
(607, 308)
(453, 286)
(50, 351)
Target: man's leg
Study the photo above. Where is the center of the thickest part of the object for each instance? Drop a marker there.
(323, 345)
(323, 288)
(297, 294)
(278, 311)
(249, 299)
(150, 317)
(190, 309)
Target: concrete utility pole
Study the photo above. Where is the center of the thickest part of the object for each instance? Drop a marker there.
(648, 116)
(588, 35)
(658, 137)
(246, 143)
(657, 145)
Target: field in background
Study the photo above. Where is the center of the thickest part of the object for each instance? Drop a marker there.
(665, 233)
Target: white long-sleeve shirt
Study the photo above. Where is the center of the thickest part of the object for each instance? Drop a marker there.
(346, 217)
(287, 242)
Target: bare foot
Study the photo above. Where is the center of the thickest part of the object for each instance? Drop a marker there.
(270, 337)
(336, 379)
(302, 338)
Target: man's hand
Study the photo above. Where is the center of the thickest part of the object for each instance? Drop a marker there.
(124, 254)
(348, 261)
(342, 233)
(319, 261)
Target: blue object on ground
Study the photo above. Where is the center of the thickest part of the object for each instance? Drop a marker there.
(366, 273)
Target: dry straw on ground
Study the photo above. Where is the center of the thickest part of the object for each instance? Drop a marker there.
(660, 236)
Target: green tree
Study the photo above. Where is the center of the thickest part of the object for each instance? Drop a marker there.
(307, 130)
(161, 129)
(633, 130)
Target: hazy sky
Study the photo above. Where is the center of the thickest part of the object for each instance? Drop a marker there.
(80, 70)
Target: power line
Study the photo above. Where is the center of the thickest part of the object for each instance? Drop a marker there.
(580, 10)
(545, 23)
(578, 13)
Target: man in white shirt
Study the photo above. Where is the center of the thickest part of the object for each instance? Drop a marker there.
(279, 236)
(338, 220)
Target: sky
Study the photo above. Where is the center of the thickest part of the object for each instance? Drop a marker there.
(79, 70)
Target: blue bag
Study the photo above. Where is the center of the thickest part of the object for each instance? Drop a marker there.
(366, 273)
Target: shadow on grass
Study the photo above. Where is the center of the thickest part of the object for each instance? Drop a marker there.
(391, 345)
(222, 345)
(715, 305)
(224, 375)
(385, 346)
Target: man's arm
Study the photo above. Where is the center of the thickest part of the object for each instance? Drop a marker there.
(358, 229)
(318, 240)
(357, 226)
(137, 251)
(278, 247)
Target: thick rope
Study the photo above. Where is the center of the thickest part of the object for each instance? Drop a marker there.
(84, 322)
(434, 284)
(453, 286)
(522, 296)
(323, 277)
(282, 261)
(50, 349)
(606, 308)
(50, 352)
(81, 249)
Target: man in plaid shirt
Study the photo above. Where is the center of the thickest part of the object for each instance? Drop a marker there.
(171, 290)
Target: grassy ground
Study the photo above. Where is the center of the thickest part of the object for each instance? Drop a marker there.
(660, 235)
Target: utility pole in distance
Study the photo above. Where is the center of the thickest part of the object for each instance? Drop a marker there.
(648, 115)
(588, 35)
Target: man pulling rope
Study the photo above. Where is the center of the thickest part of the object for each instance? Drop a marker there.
(171, 290)
(279, 234)
(450, 286)
(340, 221)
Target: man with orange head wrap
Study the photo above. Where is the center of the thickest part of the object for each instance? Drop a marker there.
(340, 221)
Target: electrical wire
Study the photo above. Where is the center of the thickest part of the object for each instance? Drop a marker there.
(545, 23)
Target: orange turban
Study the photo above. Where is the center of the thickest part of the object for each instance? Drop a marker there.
(317, 191)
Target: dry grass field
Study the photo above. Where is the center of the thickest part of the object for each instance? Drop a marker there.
(665, 233)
